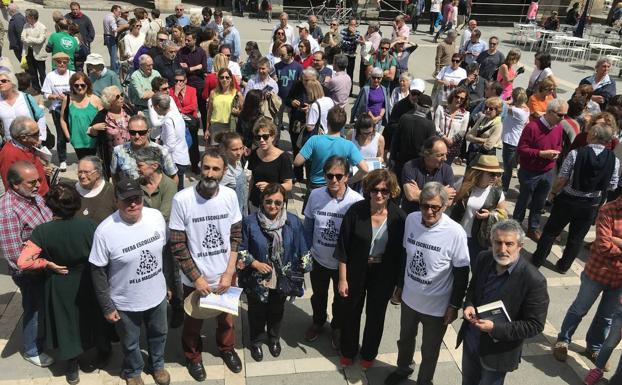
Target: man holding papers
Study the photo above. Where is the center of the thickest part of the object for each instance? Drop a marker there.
(206, 227)
(493, 348)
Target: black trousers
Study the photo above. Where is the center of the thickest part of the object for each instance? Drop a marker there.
(433, 16)
(61, 141)
(350, 70)
(580, 213)
(320, 279)
(82, 152)
(36, 69)
(266, 317)
(377, 294)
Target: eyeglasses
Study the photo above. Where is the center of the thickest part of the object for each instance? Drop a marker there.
(180, 80)
(79, 86)
(224, 77)
(138, 26)
(33, 182)
(382, 191)
(4, 81)
(34, 134)
(492, 43)
(435, 208)
(140, 133)
(330, 176)
(488, 108)
(62, 61)
(84, 172)
(265, 137)
(270, 202)
(179, 9)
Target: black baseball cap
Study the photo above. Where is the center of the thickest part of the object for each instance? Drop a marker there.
(424, 100)
(128, 188)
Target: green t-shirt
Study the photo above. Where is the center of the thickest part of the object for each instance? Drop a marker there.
(64, 42)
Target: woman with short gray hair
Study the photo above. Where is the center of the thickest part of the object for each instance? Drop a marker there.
(173, 136)
(97, 199)
(604, 87)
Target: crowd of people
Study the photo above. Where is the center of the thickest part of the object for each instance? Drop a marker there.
(384, 218)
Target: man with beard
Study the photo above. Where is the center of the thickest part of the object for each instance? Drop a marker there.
(206, 229)
(493, 347)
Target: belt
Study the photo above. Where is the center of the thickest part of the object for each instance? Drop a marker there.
(373, 259)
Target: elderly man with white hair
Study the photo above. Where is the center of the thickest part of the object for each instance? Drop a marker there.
(16, 25)
(231, 36)
(140, 82)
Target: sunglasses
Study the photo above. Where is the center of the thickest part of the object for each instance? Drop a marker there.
(376, 77)
(456, 61)
(180, 80)
(4, 81)
(164, 89)
(137, 200)
(79, 86)
(280, 33)
(384, 48)
(265, 137)
(62, 61)
(227, 55)
(487, 108)
(118, 96)
(382, 191)
(134, 133)
(334, 24)
(224, 77)
(415, 93)
(561, 116)
(435, 208)
(330, 176)
(270, 202)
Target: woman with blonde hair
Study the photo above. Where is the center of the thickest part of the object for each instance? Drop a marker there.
(507, 73)
(318, 107)
(224, 102)
(540, 100)
(479, 195)
(211, 80)
(151, 40)
(515, 120)
(178, 36)
(485, 136)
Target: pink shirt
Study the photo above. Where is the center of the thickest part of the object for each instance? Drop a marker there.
(532, 12)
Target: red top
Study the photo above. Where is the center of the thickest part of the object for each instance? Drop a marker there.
(535, 138)
(306, 62)
(605, 262)
(211, 82)
(11, 153)
(187, 104)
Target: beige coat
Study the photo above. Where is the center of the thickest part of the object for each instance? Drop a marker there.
(35, 37)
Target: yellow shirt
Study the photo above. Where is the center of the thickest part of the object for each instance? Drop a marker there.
(221, 107)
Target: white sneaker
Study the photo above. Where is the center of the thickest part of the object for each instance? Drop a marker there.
(42, 360)
(63, 166)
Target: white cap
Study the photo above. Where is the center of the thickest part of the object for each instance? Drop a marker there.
(417, 84)
(304, 25)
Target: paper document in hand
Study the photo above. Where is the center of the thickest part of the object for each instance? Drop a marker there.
(494, 311)
(227, 302)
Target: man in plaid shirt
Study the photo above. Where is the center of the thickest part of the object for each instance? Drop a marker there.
(602, 274)
(21, 210)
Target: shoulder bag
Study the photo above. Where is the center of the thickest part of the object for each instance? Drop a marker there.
(305, 134)
(50, 139)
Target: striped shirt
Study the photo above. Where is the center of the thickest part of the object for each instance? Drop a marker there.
(349, 41)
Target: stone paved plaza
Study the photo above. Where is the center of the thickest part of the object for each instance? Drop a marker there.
(317, 363)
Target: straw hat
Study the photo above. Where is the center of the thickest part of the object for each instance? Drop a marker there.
(192, 308)
(487, 163)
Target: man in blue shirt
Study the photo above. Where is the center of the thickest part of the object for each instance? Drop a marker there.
(231, 36)
(321, 147)
(178, 18)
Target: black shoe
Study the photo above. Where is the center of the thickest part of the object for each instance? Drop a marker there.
(197, 371)
(561, 269)
(73, 371)
(397, 377)
(177, 317)
(232, 360)
(275, 348)
(256, 353)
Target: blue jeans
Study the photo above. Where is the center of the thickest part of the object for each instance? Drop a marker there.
(111, 43)
(534, 187)
(509, 159)
(473, 373)
(587, 296)
(128, 329)
(31, 287)
(613, 339)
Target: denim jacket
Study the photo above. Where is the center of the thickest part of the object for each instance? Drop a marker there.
(295, 261)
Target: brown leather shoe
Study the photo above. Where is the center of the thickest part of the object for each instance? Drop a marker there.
(312, 332)
(161, 377)
(134, 381)
(534, 235)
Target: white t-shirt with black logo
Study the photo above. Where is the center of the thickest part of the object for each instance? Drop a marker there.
(328, 212)
(431, 253)
(207, 223)
(133, 254)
